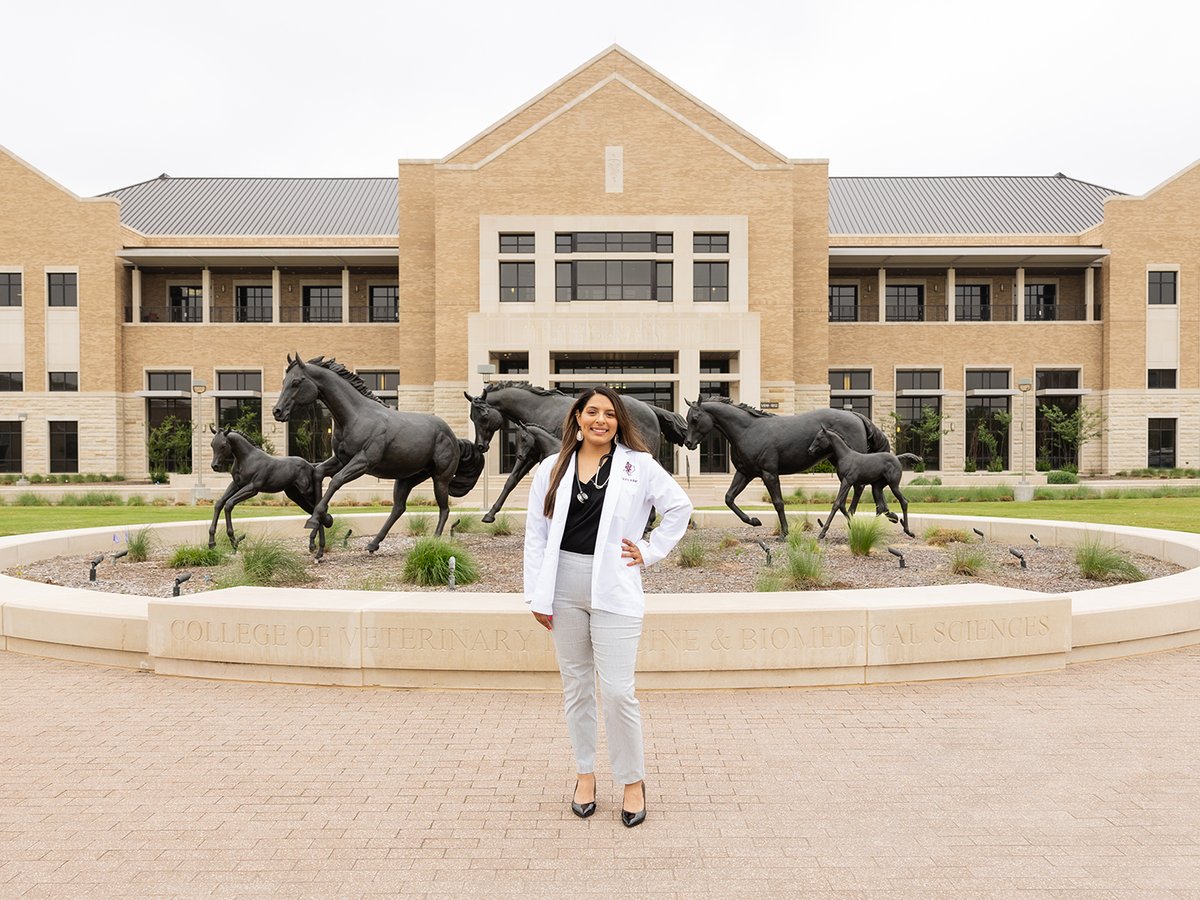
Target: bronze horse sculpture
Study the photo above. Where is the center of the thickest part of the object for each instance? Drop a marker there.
(254, 472)
(534, 444)
(856, 469)
(374, 439)
(764, 445)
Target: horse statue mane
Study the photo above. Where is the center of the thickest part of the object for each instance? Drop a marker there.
(754, 411)
(523, 385)
(342, 372)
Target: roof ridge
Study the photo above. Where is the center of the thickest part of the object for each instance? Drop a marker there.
(251, 178)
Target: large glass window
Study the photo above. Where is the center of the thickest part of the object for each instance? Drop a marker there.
(385, 303)
(905, 303)
(322, 302)
(1160, 379)
(516, 282)
(509, 364)
(1160, 444)
(62, 289)
(10, 447)
(64, 446)
(714, 449)
(184, 302)
(1052, 453)
(64, 381)
(988, 421)
(613, 242)
(919, 418)
(1161, 288)
(10, 288)
(310, 432)
(12, 381)
(841, 380)
(173, 415)
(383, 381)
(973, 302)
(169, 381)
(254, 303)
(1041, 302)
(633, 279)
(516, 243)
(710, 282)
(843, 303)
(243, 414)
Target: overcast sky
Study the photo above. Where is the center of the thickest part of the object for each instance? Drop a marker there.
(100, 95)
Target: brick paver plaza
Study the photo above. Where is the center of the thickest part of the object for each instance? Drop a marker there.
(1078, 783)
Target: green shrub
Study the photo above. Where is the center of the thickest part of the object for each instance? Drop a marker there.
(691, 553)
(1061, 476)
(92, 498)
(768, 581)
(270, 563)
(804, 566)
(29, 498)
(428, 563)
(824, 467)
(158, 477)
(36, 479)
(464, 525)
(418, 525)
(1100, 563)
(940, 537)
(501, 527)
(966, 559)
(866, 534)
(135, 500)
(1078, 492)
(188, 555)
(139, 544)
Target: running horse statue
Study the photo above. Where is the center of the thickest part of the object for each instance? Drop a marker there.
(534, 444)
(374, 439)
(521, 403)
(255, 471)
(764, 445)
(856, 469)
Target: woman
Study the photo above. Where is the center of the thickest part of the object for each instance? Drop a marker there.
(583, 551)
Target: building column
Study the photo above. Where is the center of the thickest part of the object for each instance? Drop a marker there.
(136, 292)
(883, 295)
(1089, 294)
(1019, 293)
(205, 295)
(344, 315)
(950, 295)
(276, 288)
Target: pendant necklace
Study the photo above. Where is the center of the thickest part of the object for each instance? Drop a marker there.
(582, 495)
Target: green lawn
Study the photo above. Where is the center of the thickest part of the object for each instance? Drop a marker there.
(26, 519)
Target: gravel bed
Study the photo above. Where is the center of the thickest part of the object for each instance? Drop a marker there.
(731, 561)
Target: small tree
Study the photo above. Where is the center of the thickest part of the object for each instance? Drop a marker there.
(248, 421)
(169, 448)
(919, 436)
(1071, 430)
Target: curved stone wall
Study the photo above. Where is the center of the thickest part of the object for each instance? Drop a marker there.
(465, 639)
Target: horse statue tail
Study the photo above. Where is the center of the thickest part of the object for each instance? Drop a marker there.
(876, 440)
(908, 457)
(672, 425)
(470, 466)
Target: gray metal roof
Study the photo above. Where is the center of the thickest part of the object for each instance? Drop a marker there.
(985, 204)
(266, 206)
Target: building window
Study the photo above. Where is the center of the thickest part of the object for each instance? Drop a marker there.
(710, 282)
(1041, 302)
(10, 288)
(843, 303)
(1161, 289)
(905, 303)
(509, 364)
(1160, 444)
(10, 447)
(64, 446)
(633, 279)
(988, 420)
(310, 432)
(175, 411)
(169, 381)
(710, 243)
(184, 302)
(322, 303)
(973, 302)
(853, 380)
(62, 288)
(1160, 378)
(12, 381)
(613, 242)
(516, 282)
(254, 303)
(516, 243)
(918, 418)
(243, 414)
(1051, 452)
(383, 381)
(385, 303)
(64, 381)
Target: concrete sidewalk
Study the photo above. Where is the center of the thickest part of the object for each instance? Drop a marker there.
(1078, 783)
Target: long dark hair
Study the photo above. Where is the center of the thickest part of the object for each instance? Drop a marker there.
(627, 434)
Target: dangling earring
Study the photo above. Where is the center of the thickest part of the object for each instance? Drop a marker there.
(578, 434)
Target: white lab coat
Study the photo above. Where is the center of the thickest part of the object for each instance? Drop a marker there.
(637, 483)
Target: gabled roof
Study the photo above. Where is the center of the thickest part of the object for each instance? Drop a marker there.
(988, 204)
(261, 206)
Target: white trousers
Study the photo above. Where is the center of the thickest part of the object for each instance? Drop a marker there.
(591, 642)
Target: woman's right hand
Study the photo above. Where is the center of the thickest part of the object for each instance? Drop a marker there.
(544, 620)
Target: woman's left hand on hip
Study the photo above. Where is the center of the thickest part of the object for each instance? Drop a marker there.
(631, 552)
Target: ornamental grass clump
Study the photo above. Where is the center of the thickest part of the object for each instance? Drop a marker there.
(692, 553)
(967, 559)
(804, 566)
(418, 525)
(940, 537)
(269, 563)
(186, 556)
(501, 527)
(866, 534)
(1100, 563)
(139, 544)
(428, 563)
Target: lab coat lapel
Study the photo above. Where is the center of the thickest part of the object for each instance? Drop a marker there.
(610, 497)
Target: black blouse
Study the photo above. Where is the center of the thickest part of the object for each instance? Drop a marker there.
(583, 516)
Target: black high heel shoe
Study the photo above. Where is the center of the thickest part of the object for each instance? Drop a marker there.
(631, 819)
(583, 810)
